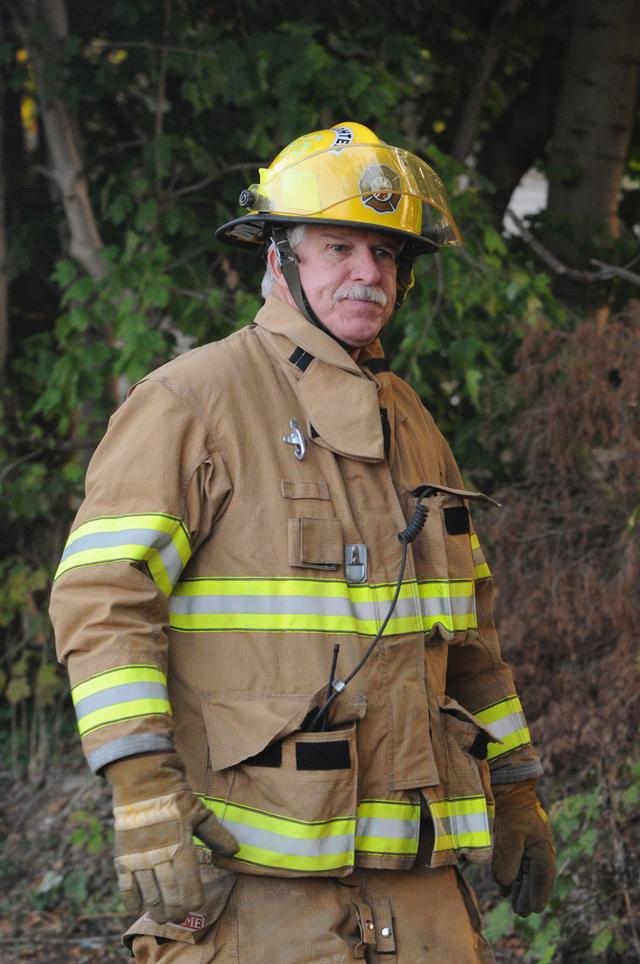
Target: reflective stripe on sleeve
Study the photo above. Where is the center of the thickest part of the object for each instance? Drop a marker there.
(320, 606)
(387, 827)
(480, 568)
(123, 693)
(277, 842)
(506, 721)
(160, 541)
(462, 822)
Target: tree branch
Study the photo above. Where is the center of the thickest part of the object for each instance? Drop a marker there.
(198, 185)
(606, 272)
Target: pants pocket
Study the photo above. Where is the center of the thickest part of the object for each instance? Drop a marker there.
(218, 885)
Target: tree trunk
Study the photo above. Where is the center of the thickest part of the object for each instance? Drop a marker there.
(468, 126)
(519, 136)
(595, 114)
(65, 161)
(4, 281)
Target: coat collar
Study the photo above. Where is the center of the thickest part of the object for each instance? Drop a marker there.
(339, 399)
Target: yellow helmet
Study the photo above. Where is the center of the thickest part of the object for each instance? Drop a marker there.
(348, 176)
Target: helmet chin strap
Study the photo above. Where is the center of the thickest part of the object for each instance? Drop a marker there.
(288, 261)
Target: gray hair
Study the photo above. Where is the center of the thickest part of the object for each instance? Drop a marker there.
(296, 235)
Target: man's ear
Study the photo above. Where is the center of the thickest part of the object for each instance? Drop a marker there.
(274, 264)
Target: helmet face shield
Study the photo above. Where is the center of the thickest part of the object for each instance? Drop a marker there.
(347, 176)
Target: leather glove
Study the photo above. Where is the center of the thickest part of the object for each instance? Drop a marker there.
(156, 814)
(523, 854)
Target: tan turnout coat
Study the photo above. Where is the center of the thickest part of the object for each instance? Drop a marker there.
(210, 573)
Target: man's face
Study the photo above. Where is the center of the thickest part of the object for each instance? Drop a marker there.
(349, 277)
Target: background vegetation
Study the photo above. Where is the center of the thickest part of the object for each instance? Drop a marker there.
(128, 130)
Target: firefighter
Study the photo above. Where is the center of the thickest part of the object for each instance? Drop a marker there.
(277, 616)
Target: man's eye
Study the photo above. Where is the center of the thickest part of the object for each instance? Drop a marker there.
(385, 254)
(338, 248)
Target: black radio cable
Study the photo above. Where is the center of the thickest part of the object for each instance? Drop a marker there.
(406, 536)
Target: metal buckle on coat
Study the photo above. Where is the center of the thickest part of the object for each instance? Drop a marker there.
(297, 439)
(355, 563)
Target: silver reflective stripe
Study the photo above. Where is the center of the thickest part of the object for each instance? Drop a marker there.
(151, 538)
(508, 724)
(458, 823)
(128, 746)
(386, 827)
(287, 845)
(314, 605)
(454, 605)
(119, 694)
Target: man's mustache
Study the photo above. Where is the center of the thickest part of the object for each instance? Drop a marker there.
(363, 293)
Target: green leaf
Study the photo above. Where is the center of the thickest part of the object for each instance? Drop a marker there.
(18, 690)
(75, 886)
(601, 941)
(499, 922)
(64, 272)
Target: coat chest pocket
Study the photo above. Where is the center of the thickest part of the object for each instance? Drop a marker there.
(314, 539)
(315, 543)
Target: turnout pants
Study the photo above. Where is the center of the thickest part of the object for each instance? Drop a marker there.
(421, 916)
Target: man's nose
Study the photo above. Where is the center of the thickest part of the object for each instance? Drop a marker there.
(365, 267)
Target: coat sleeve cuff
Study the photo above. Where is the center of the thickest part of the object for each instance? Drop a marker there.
(516, 772)
(128, 746)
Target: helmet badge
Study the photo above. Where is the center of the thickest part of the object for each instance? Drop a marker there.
(380, 188)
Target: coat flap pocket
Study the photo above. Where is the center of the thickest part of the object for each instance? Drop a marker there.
(464, 724)
(315, 543)
(239, 728)
(305, 489)
(423, 488)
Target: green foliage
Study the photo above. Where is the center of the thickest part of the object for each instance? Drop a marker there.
(567, 930)
(90, 833)
(455, 338)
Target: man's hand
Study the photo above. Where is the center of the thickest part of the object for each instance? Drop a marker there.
(156, 814)
(523, 855)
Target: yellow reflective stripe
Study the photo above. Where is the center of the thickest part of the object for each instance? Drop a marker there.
(274, 841)
(458, 806)
(327, 588)
(387, 827)
(499, 710)
(482, 571)
(117, 677)
(460, 822)
(480, 568)
(507, 721)
(446, 841)
(122, 711)
(319, 606)
(386, 845)
(162, 522)
(271, 858)
(157, 539)
(389, 809)
(519, 737)
(303, 829)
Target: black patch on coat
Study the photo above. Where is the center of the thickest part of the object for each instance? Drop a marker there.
(456, 520)
(329, 755)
